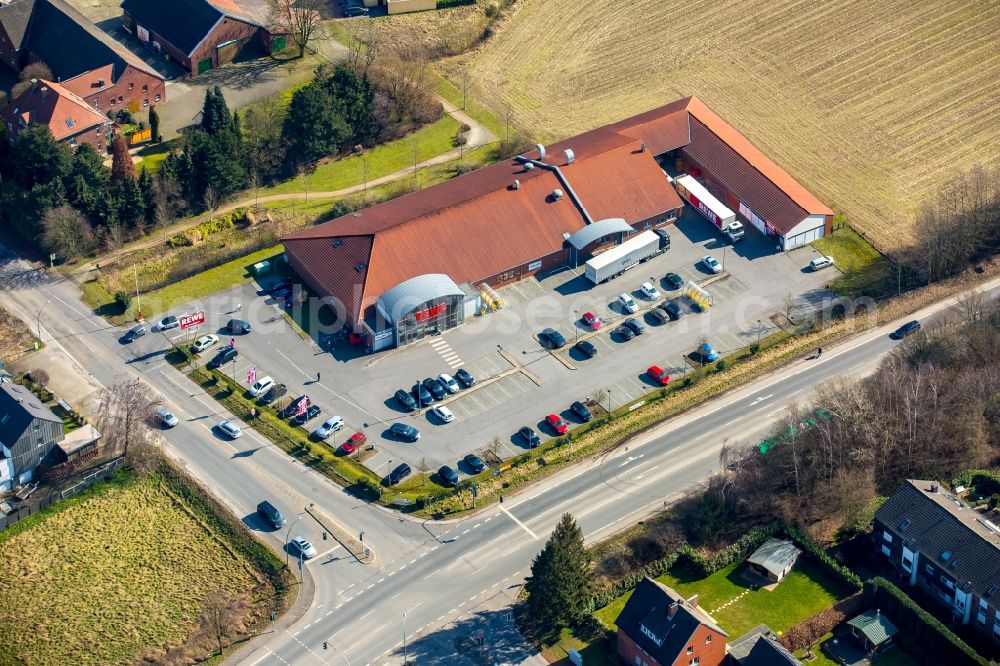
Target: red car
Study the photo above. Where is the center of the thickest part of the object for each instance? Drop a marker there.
(354, 443)
(557, 423)
(658, 375)
(592, 320)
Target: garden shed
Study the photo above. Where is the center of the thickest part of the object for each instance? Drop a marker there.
(774, 559)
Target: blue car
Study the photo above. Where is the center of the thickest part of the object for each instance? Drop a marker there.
(707, 353)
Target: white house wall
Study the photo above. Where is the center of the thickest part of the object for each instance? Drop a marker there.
(805, 231)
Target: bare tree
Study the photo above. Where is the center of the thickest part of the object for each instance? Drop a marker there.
(973, 306)
(40, 377)
(125, 414)
(495, 445)
(301, 20)
(144, 458)
(222, 615)
(67, 233)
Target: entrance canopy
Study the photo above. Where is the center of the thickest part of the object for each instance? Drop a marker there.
(405, 296)
(597, 230)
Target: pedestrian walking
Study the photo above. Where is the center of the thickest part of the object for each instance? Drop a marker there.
(819, 352)
(317, 375)
(239, 306)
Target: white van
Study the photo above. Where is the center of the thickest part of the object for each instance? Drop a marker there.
(261, 386)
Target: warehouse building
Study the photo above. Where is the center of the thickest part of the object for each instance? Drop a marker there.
(422, 263)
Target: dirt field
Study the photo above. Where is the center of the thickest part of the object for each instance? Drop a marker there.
(15, 338)
(869, 104)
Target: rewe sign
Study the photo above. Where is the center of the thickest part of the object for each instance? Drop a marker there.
(195, 319)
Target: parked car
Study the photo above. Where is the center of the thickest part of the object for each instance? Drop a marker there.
(464, 378)
(711, 263)
(328, 427)
(261, 386)
(592, 321)
(529, 436)
(658, 375)
(281, 288)
(674, 280)
(449, 383)
(649, 291)
(551, 338)
(270, 515)
(475, 462)
(628, 303)
(557, 423)
(436, 389)
(635, 325)
(166, 323)
(238, 326)
(580, 411)
(353, 443)
(356, 11)
(448, 475)
(707, 353)
(398, 474)
(230, 429)
(304, 548)
(204, 342)
(672, 309)
(311, 412)
(225, 355)
(166, 417)
(405, 399)
(443, 413)
(136, 331)
(274, 393)
(906, 329)
(293, 406)
(819, 263)
(405, 432)
(586, 347)
(422, 396)
(625, 333)
(659, 316)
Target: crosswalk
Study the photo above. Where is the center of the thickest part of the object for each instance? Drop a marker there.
(446, 352)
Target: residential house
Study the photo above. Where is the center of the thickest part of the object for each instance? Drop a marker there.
(201, 34)
(29, 432)
(82, 57)
(938, 543)
(70, 118)
(659, 627)
(774, 559)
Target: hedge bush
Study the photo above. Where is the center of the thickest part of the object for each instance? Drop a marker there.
(807, 632)
(986, 482)
(445, 4)
(920, 633)
(739, 550)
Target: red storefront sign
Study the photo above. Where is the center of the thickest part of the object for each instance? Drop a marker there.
(432, 312)
(195, 319)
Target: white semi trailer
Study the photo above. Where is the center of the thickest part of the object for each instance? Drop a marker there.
(710, 208)
(615, 261)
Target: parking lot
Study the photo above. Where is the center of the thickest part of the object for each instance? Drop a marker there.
(520, 382)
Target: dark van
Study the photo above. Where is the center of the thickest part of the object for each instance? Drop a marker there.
(906, 329)
(270, 515)
(398, 474)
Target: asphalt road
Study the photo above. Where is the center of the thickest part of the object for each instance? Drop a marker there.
(452, 579)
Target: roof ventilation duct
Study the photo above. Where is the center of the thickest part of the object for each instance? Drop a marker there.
(516, 185)
(528, 166)
(541, 151)
(643, 148)
(570, 156)
(557, 194)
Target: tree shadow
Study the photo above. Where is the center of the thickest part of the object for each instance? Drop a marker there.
(485, 637)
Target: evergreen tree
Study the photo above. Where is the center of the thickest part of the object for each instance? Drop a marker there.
(38, 158)
(122, 168)
(215, 114)
(237, 130)
(313, 128)
(148, 190)
(559, 585)
(133, 205)
(154, 125)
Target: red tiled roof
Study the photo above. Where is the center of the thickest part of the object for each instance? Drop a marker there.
(331, 270)
(85, 84)
(663, 129)
(51, 104)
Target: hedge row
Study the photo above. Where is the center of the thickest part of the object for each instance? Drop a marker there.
(445, 4)
(986, 482)
(920, 633)
(734, 552)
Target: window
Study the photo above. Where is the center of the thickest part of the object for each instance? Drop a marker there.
(156, 99)
(145, 103)
(929, 569)
(145, 89)
(887, 536)
(695, 661)
(690, 649)
(708, 639)
(119, 99)
(69, 122)
(981, 619)
(885, 550)
(947, 582)
(97, 103)
(908, 563)
(112, 101)
(72, 141)
(130, 86)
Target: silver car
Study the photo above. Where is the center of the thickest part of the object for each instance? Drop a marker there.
(306, 549)
(449, 383)
(230, 429)
(166, 417)
(330, 426)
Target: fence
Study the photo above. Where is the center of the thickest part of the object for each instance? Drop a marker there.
(88, 479)
(140, 136)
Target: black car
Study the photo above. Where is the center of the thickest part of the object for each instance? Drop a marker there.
(529, 436)
(586, 348)
(356, 11)
(674, 280)
(238, 326)
(635, 325)
(432, 385)
(225, 355)
(405, 432)
(580, 411)
(136, 331)
(406, 400)
(551, 338)
(270, 515)
(464, 378)
(448, 475)
(281, 288)
(311, 412)
(475, 462)
(273, 394)
(659, 316)
(906, 329)
(624, 332)
(672, 309)
(292, 407)
(422, 396)
(398, 474)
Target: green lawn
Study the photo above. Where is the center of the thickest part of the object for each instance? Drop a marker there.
(861, 264)
(482, 115)
(806, 591)
(386, 158)
(154, 154)
(594, 652)
(894, 657)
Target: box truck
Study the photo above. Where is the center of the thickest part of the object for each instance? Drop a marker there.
(615, 261)
(710, 208)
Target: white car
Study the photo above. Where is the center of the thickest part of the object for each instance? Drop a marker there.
(166, 323)
(230, 429)
(330, 426)
(711, 263)
(166, 417)
(443, 413)
(449, 382)
(204, 342)
(261, 386)
(628, 303)
(649, 291)
(306, 549)
(819, 263)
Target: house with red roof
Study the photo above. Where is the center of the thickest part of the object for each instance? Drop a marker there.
(70, 118)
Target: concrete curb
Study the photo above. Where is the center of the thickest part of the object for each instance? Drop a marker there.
(354, 546)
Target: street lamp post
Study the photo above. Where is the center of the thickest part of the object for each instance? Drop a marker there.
(38, 319)
(609, 401)
(576, 324)
(404, 638)
(760, 325)
(288, 533)
(724, 248)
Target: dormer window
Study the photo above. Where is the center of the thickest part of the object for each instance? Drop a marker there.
(653, 637)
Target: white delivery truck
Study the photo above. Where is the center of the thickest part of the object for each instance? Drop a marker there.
(711, 208)
(615, 261)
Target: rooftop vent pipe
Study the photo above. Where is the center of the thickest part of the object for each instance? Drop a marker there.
(643, 148)
(570, 156)
(528, 166)
(541, 151)
(557, 194)
(517, 184)
(530, 163)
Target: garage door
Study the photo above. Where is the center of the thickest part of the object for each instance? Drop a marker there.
(204, 65)
(802, 239)
(226, 52)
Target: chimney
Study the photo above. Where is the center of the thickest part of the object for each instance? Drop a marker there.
(44, 90)
(672, 610)
(878, 612)
(557, 194)
(541, 151)
(517, 184)
(570, 156)
(934, 486)
(34, 83)
(693, 601)
(643, 149)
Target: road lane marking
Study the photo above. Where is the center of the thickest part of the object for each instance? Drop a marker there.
(431, 574)
(520, 524)
(367, 614)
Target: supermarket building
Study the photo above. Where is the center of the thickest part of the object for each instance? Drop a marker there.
(422, 263)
